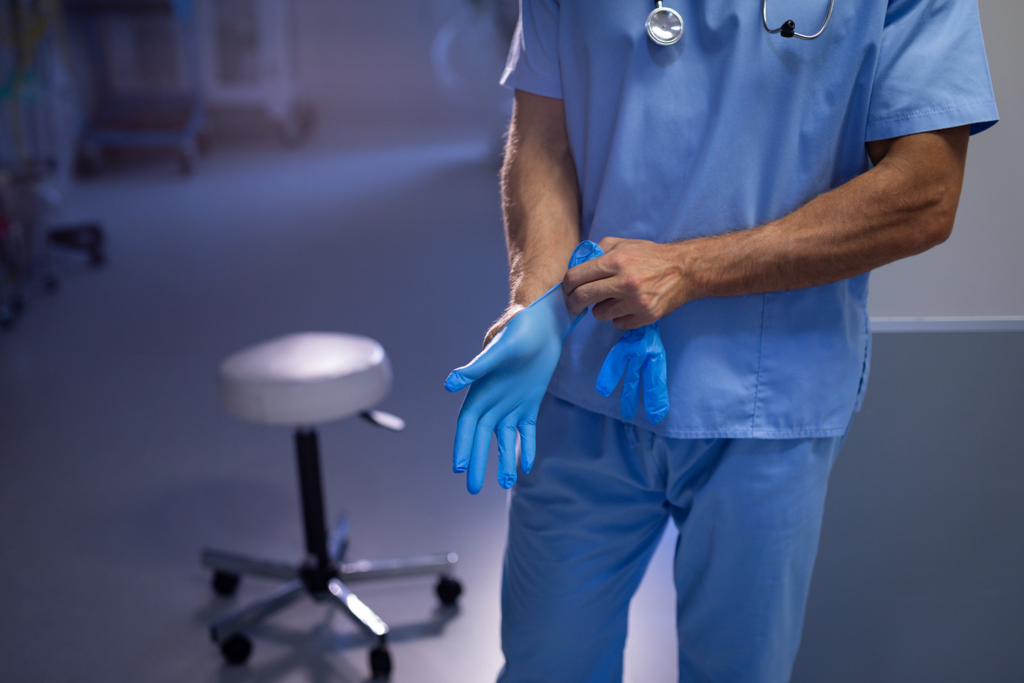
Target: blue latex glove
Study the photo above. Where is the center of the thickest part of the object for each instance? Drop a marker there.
(637, 351)
(509, 379)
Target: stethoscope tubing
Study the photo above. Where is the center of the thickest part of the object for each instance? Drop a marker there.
(801, 36)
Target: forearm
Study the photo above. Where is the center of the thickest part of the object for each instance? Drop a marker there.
(540, 198)
(903, 206)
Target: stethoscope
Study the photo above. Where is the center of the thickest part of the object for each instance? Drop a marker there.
(665, 26)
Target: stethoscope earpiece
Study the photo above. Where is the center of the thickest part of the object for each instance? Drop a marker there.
(788, 29)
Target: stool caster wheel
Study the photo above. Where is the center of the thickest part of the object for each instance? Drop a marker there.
(236, 649)
(225, 583)
(380, 662)
(448, 590)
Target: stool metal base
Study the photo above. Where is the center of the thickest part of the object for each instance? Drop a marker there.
(337, 590)
(323, 576)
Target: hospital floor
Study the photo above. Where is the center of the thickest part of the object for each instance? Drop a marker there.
(118, 464)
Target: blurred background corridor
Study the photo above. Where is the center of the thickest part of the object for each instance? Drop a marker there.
(222, 172)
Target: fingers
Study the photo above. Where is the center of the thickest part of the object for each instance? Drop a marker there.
(591, 271)
(611, 371)
(506, 433)
(590, 262)
(655, 376)
(610, 309)
(473, 440)
(527, 443)
(630, 322)
(594, 293)
(616, 361)
(656, 388)
(630, 397)
(637, 352)
(485, 361)
(478, 403)
(465, 432)
(585, 252)
(478, 460)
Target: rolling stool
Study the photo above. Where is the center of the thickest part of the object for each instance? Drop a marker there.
(303, 380)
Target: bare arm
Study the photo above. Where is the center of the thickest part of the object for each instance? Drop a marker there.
(903, 206)
(540, 198)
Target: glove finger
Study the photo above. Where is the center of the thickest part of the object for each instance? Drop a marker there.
(656, 388)
(465, 432)
(630, 388)
(478, 460)
(480, 400)
(506, 434)
(527, 443)
(656, 403)
(612, 368)
(485, 361)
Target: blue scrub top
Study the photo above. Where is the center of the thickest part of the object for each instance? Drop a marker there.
(729, 129)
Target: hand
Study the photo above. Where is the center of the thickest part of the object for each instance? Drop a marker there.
(635, 283)
(509, 379)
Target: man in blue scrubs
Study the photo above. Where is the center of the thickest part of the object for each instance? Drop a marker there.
(742, 185)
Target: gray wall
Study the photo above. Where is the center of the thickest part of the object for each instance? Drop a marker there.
(356, 72)
(920, 574)
(977, 272)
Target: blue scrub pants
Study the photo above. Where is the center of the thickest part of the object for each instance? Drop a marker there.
(584, 524)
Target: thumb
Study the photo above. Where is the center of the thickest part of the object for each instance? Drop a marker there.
(485, 361)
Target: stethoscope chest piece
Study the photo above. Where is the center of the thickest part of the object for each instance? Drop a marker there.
(664, 25)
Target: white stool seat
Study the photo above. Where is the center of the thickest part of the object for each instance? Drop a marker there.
(305, 379)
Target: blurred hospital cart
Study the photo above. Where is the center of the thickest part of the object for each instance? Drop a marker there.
(247, 50)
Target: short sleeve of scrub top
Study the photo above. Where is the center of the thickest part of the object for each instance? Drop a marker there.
(932, 71)
(533, 58)
(729, 129)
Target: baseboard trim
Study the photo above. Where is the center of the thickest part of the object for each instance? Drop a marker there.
(995, 323)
